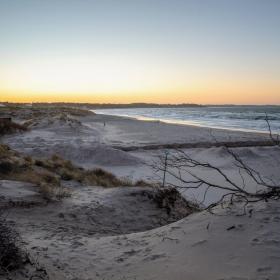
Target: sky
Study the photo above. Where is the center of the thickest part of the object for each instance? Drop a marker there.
(122, 51)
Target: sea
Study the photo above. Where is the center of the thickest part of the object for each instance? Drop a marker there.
(244, 118)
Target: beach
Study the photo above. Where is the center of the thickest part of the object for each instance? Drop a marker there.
(119, 233)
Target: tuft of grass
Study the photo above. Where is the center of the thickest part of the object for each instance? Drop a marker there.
(66, 170)
(53, 192)
(103, 178)
(50, 173)
(143, 183)
(4, 151)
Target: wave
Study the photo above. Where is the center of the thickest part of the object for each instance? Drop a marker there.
(236, 117)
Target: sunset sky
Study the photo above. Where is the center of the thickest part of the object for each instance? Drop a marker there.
(121, 51)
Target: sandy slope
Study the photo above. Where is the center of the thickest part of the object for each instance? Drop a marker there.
(79, 140)
(91, 235)
(202, 246)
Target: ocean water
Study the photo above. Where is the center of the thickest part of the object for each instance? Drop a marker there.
(245, 118)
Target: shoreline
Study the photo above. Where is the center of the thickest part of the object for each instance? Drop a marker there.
(181, 122)
(129, 134)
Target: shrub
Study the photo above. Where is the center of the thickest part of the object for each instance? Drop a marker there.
(10, 127)
(39, 162)
(6, 167)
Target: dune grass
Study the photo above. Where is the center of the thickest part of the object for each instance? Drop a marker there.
(49, 174)
(66, 170)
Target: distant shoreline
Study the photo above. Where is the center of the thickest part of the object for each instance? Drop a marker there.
(91, 106)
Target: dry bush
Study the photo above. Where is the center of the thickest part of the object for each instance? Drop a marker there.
(10, 127)
(6, 167)
(172, 201)
(40, 163)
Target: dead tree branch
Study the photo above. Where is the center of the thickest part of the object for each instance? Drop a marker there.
(186, 172)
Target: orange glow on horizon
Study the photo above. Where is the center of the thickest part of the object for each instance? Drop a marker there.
(218, 95)
(124, 79)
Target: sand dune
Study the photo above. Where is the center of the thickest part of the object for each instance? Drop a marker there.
(120, 233)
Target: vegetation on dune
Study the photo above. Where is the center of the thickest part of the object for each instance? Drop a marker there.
(65, 170)
(31, 116)
(7, 127)
(14, 166)
(49, 174)
(41, 111)
(172, 201)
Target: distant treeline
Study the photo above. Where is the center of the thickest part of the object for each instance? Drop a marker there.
(104, 105)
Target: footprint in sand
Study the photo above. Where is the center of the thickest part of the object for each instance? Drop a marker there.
(155, 257)
(271, 242)
(126, 255)
(266, 241)
(265, 220)
(266, 273)
(119, 260)
(131, 253)
(200, 242)
(255, 241)
(77, 244)
(276, 219)
(264, 269)
(234, 278)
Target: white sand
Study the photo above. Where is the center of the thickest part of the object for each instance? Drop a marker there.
(81, 237)
(123, 132)
(197, 247)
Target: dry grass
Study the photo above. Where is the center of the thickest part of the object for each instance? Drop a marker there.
(67, 171)
(14, 166)
(49, 192)
(49, 174)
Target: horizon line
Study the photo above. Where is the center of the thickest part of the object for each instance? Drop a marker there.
(139, 103)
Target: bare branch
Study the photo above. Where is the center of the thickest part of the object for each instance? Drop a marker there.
(183, 169)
